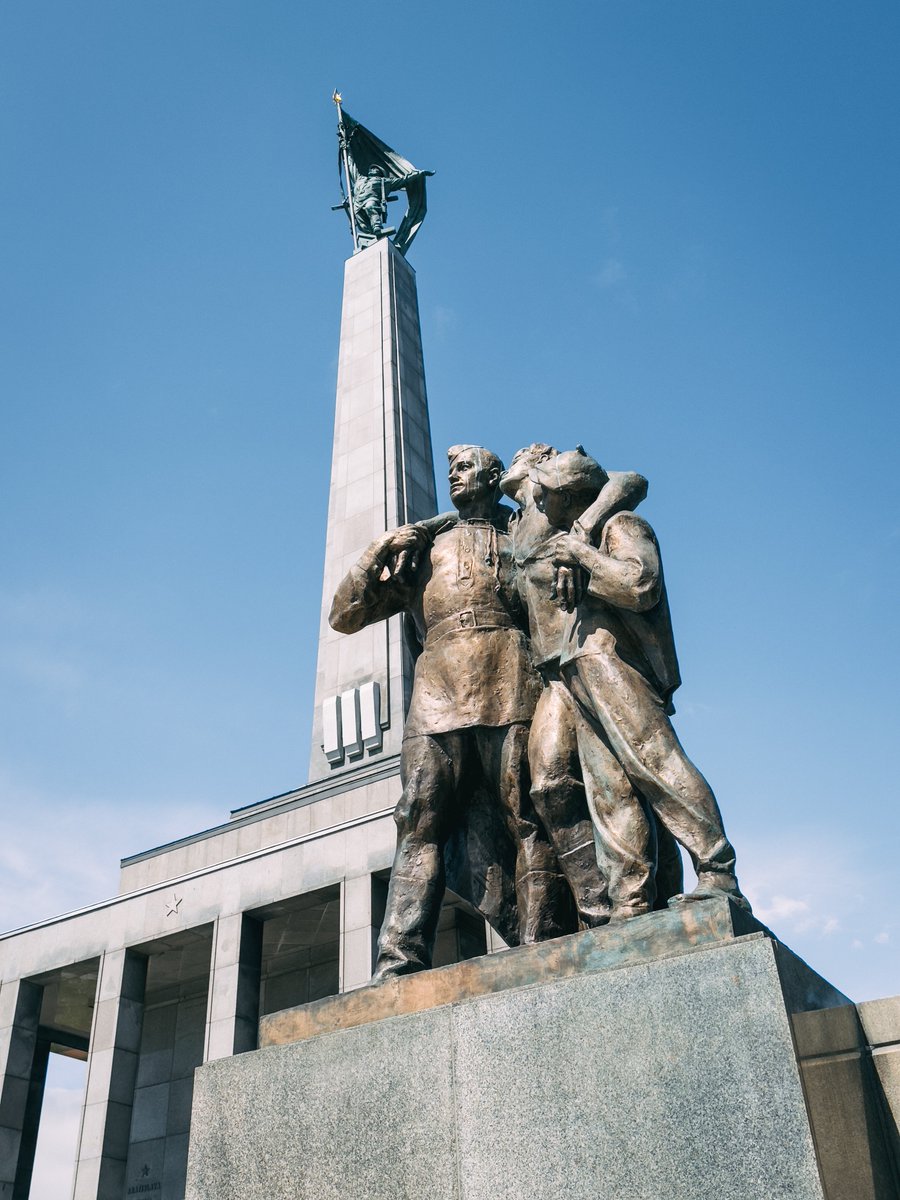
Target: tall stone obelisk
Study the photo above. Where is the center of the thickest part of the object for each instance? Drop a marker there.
(382, 476)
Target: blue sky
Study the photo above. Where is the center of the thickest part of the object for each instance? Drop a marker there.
(668, 231)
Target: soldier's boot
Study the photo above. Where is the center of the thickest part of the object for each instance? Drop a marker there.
(716, 877)
(588, 887)
(669, 867)
(560, 804)
(412, 910)
(546, 909)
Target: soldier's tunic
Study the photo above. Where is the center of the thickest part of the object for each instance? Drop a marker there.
(370, 196)
(474, 693)
(474, 668)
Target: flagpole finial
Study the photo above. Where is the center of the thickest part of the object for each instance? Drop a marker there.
(337, 97)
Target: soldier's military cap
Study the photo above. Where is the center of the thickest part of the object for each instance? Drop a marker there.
(571, 471)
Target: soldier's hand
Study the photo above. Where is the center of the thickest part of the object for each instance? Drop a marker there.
(568, 587)
(578, 531)
(400, 551)
(568, 551)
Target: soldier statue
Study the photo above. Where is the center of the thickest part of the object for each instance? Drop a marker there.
(618, 662)
(473, 697)
(371, 194)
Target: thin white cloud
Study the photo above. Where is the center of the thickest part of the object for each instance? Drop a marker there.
(52, 673)
(823, 895)
(784, 909)
(41, 877)
(445, 319)
(790, 883)
(45, 610)
(611, 273)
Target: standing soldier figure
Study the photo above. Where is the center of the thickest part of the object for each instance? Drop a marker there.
(370, 199)
(618, 661)
(373, 171)
(473, 696)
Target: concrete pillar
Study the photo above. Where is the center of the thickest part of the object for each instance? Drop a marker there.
(382, 476)
(33, 1106)
(20, 1012)
(362, 911)
(232, 1018)
(881, 1023)
(111, 1074)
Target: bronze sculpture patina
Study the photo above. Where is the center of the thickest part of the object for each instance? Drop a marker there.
(564, 734)
(567, 762)
(373, 171)
(619, 664)
(474, 693)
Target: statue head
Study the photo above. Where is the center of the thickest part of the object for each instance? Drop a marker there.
(474, 477)
(521, 465)
(375, 170)
(565, 485)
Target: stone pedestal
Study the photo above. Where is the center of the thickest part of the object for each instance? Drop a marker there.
(655, 1059)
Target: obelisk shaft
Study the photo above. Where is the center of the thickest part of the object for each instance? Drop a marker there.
(382, 476)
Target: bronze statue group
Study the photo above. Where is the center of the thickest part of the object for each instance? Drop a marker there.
(542, 777)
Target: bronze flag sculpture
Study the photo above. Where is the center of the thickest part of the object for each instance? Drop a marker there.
(373, 172)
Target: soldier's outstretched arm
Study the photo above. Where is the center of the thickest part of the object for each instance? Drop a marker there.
(623, 492)
(626, 572)
(382, 583)
(435, 525)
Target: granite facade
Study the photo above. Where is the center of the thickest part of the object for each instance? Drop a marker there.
(382, 476)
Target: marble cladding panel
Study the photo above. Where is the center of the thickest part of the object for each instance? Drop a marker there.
(175, 1167)
(171, 1048)
(358, 652)
(151, 1105)
(358, 531)
(365, 495)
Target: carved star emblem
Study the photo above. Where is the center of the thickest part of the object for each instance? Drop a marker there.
(172, 907)
(145, 1170)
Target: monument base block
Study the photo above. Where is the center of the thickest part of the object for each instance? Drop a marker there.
(658, 1059)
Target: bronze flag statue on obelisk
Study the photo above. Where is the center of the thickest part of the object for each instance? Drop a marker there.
(373, 171)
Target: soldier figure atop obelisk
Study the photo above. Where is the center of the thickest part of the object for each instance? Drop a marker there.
(373, 171)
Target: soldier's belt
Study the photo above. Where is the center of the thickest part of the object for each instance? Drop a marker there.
(470, 618)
